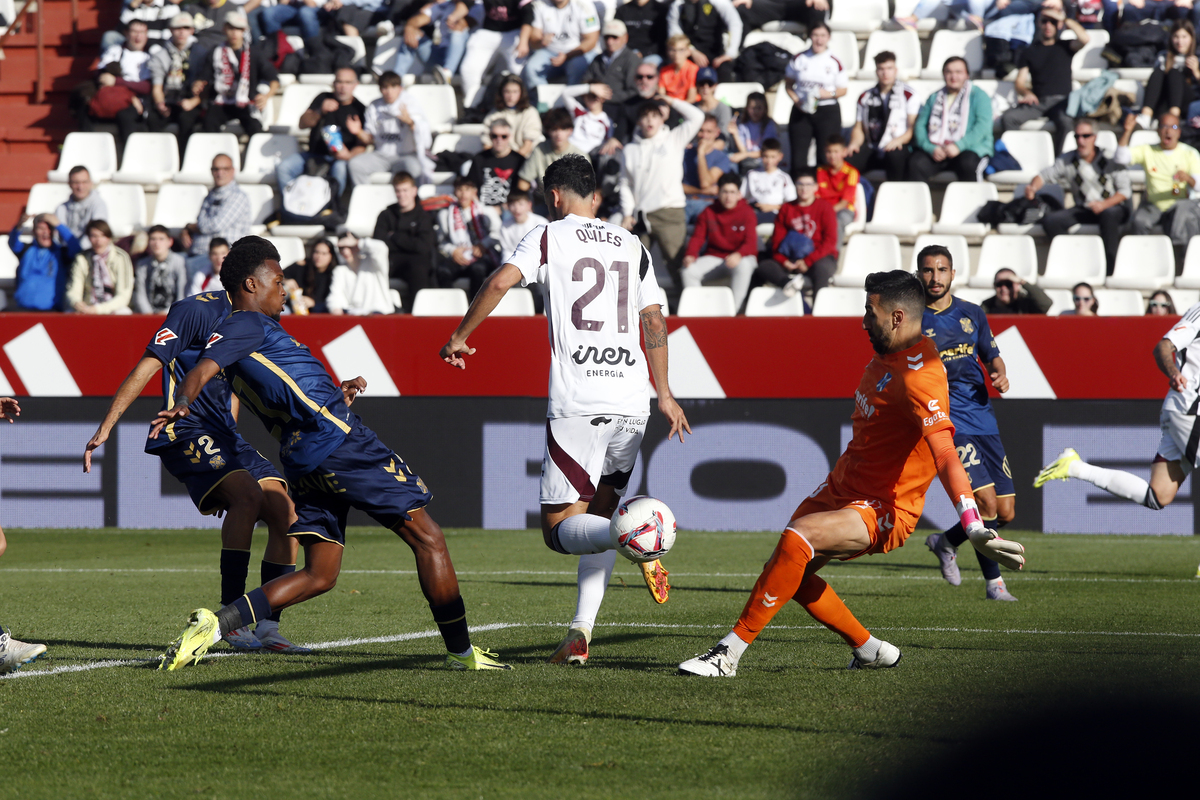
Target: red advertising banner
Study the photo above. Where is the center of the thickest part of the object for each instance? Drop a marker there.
(68, 355)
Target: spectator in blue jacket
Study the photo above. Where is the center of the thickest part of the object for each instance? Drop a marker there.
(43, 271)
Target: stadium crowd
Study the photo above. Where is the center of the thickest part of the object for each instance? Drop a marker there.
(722, 194)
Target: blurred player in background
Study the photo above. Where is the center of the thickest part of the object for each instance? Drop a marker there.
(872, 500)
(599, 281)
(13, 654)
(961, 333)
(1177, 355)
(333, 463)
(223, 473)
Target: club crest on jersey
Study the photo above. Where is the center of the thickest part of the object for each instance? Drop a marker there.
(216, 337)
(216, 462)
(967, 326)
(164, 336)
(884, 381)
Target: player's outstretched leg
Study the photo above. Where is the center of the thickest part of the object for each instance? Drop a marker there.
(15, 654)
(439, 584)
(278, 560)
(1115, 481)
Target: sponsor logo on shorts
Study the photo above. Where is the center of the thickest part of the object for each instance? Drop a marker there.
(598, 421)
(164, 336)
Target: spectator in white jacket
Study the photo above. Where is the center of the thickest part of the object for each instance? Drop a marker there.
(652, 198)
(360, 285)
(398, 129)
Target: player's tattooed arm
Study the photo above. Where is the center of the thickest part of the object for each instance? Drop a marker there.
(654, 327)
(654, 330)
(1164, 357)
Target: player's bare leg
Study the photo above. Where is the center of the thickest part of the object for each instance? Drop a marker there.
(279, 559)
(808, 544)
(439, 583)
(240, 496)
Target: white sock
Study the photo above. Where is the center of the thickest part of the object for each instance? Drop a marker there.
(584, 534)
(594, 572)
(1114, 481)
(465, 653)
(994, 583)
(735, 644)
(869, 651)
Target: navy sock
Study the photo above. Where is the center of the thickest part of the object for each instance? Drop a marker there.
(956, 535)
(451, 620)
(245, 610)
(235, 564)
(269, 571)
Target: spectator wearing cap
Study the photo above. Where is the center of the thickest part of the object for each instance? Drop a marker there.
(615, 69)
(885, 118)
(725, 232)
(1100, 187)
(210, 24)
(704, 162)
(953, 129)
(562, 41)
(84, 203)
(706, 23)
(331, 140)
(706, 87)
(1015, 296)
(231, 75)
(397, 127)
(359, 285)
(646, 23)
(467, 244)
(1044, 80)
(171, 95)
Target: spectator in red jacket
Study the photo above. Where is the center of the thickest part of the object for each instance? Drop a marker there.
(811, 217)
(725, 231)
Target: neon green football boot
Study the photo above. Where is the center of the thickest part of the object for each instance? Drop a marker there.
(1056, 470)
(477, 659)
(201, 633)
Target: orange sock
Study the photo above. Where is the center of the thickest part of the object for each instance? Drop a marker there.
(779, 581)
(827, 608)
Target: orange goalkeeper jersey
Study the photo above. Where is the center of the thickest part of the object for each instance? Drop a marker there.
(903, 397)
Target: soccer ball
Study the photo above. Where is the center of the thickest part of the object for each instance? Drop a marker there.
(643, 529)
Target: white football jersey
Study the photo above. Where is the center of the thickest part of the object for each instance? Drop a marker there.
(1185, 335)
(597, 280)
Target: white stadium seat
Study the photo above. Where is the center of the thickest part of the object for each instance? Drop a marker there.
(844, 46)
(1018, 253)
(150, 159)
(1120, 302)
(706, 301)
(858, 16)
(867, 253)
(961, 204)
(44, 198)
(1189, 278)
(903, 208)
(839, 301)
(365, 204)
(517, 302)
(976, 296)
(1060, 302)
(126, 207)
(959, 252)
(296, 100)
(367, 93)
(177, 205)
(781, 109)
(1145, 263)
(1033, 150)
(202, 148)
(1075, 259)
(291, 249)
(782, 39)
(966, 44)
(96, 151)
(439, 103)
(263, 154)
(262, 205)
(8, 263)
(440, 303)
(1105, 140)
(768, 301)
(458, 142)
(859, 223)
(1182, 298)
(1087, 63)
(734, 94)
(904, 43)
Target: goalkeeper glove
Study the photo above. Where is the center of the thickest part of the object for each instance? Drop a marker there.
(1003, 551)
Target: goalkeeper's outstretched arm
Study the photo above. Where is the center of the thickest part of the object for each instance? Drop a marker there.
(958, 488)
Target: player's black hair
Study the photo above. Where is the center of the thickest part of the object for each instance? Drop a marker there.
(244, 258)
(572, 173)
(728, 178)
(930, 251)
(895, 288)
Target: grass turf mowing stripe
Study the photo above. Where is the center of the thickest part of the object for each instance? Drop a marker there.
(496, 626)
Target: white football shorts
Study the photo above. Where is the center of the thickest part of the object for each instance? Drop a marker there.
(584, 452)
(1180, 439)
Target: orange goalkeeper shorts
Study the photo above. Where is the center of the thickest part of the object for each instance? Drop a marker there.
(887, 526)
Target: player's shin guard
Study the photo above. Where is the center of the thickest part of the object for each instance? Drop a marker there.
(824, 605)
(269, 571)
(581, 535)
(451, 619)
(246, 610)
(235, 565)
(779, 581)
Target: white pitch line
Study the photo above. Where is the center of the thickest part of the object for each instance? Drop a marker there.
(496, 626)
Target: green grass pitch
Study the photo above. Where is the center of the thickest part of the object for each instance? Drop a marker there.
(376, 714)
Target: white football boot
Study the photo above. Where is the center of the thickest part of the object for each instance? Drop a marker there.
(716, 663)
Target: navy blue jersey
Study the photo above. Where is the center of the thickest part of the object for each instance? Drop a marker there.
(179, 345)
(284, 385)
(961, 334)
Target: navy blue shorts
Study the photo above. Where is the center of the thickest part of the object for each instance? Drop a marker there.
(982, 456)
(201, 460)
(362, 473)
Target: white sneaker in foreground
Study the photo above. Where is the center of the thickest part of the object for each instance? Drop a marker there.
(15, 654)
(947, 557)
(888, 656)
(716, 663)
(242, 639)
(273, 641)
